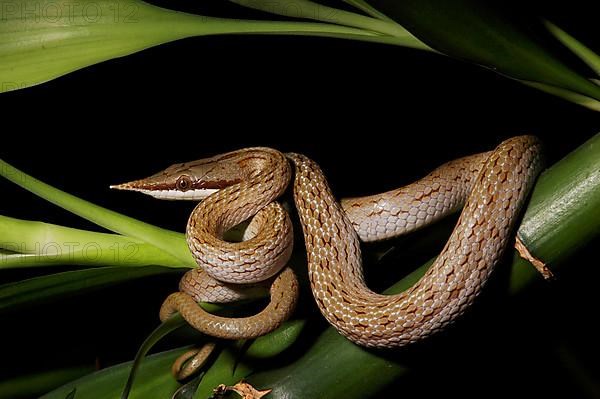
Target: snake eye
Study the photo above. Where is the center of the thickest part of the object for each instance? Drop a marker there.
(184, 183)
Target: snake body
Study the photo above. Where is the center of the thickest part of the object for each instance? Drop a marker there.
(258, 176)
(452, 283)
(492, 186)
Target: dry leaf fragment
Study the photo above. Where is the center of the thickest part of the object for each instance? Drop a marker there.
(242, 388)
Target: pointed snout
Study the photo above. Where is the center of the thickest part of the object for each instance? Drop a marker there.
(157, 181)
(134, 185)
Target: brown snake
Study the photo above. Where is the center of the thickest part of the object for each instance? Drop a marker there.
(492, 186)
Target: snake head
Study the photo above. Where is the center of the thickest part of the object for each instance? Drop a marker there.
(192, 180)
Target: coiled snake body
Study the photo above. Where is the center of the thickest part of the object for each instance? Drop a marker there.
(492, 187)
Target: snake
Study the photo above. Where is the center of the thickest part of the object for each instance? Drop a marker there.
(490, 187)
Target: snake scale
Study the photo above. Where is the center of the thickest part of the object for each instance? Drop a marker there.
(491, 187)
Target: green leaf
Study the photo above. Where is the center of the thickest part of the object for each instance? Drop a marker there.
(161, 331)
(43, 39)
(43, 244)
(227, 369)
(232, 364)
(310, 10)
(188, 390)
(154, 380)
(573, 97)
(277, 341)
(584, 53)
(171, 242)
(369, 10)
(33, 385)
(38, 290)
(476, 31)
(173, 323)
(227, 365)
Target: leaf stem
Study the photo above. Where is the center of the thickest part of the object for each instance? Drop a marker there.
(42, 244)
(335, 17)
(168, 241)
(369, 10)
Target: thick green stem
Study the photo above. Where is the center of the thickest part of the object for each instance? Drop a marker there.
(564, 211)
(42, 244)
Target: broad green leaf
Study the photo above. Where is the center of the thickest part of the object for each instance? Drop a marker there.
(33, 385)
(43, 39)
(476, 31)
(154, 380)
(228, 367)
(37, 290)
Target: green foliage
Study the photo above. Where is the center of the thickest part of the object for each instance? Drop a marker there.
(42, 39)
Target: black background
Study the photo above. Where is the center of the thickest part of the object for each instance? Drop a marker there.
(373, 116)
